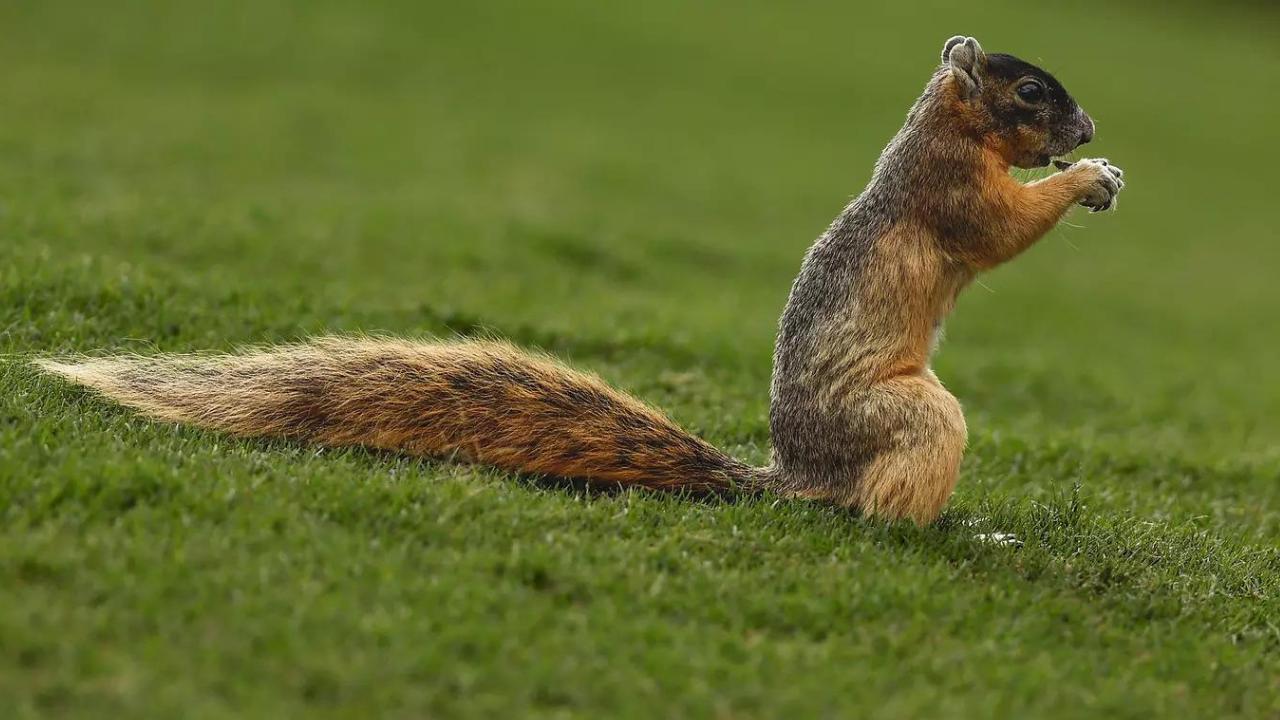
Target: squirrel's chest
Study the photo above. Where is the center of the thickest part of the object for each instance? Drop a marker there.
(948, 294)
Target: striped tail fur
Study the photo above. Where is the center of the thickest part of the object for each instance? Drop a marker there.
(478, 401)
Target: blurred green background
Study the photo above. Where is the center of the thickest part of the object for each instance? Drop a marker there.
(632, 186)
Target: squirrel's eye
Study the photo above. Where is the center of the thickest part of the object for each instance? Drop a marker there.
(1031, 92)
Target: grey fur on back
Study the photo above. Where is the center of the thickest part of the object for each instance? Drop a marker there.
(816, 444)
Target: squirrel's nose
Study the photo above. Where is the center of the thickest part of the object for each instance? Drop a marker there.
(1087, 133)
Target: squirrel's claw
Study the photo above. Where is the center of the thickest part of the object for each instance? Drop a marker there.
(1101, 196)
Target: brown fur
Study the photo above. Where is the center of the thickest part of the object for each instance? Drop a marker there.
(1014, 216)
(483, 402)
(858, 416)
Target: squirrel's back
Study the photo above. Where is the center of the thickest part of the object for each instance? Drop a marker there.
(480, 401)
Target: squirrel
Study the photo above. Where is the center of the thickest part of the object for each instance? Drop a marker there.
(857, 417)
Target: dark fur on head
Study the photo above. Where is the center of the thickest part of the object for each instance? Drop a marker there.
(1030, 132)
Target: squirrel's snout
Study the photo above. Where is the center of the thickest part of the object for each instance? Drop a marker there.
(1086, 133)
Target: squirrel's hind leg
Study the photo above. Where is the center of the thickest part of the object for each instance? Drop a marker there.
(913, 478)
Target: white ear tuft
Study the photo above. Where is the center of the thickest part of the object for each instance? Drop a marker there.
(946, 49)
(966, 59)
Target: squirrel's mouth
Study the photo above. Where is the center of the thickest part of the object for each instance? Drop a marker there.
(1035, 161)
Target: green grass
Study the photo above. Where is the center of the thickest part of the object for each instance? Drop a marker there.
(630, 186)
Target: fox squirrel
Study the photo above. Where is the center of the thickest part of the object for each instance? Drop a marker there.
(857, 417)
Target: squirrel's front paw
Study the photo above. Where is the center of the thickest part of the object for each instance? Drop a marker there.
(1104, 183)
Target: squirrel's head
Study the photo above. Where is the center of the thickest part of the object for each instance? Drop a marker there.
(1019, 110)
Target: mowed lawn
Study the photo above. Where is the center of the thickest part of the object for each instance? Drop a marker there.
(630, 186)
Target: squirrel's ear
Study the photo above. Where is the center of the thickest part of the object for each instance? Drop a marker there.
(965, 58)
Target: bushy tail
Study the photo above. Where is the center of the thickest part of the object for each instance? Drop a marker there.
(484, 402)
